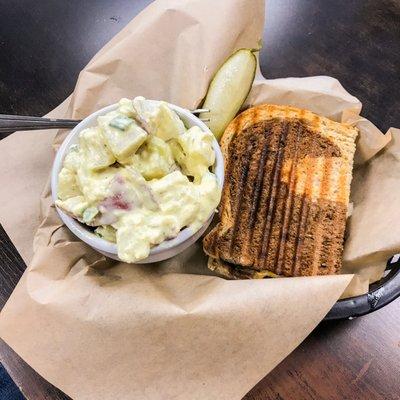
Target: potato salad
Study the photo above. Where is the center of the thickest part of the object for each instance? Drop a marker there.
(139, 177)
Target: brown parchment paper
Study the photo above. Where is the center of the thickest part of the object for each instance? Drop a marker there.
(100, 329)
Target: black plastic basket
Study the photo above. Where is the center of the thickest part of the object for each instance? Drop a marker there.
(380, 294)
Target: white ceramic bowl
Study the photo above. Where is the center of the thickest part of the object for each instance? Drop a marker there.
(166, 249)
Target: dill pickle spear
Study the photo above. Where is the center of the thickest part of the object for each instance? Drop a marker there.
(228, 90)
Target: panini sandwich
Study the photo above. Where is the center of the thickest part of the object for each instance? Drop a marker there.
(284, 204)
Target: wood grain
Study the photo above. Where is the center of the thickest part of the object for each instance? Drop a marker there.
(11, 267)
(45, 45)
(30, 383)
(355, 360)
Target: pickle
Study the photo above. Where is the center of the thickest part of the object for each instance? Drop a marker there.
(228, 90)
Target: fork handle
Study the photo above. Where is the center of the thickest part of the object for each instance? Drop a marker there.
(11, 123)
(29, 125)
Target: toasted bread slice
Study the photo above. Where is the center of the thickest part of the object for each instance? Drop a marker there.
(287, 186)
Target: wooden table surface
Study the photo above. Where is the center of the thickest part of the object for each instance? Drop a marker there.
(44, 45)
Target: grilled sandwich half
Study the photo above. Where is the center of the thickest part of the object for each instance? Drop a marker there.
(284, 203)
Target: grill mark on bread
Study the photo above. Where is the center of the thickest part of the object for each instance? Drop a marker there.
(325, 185)
(235, 271)
(270, 207)
(300, 231)
(286, 237)
(302, 239)
(257, 187)
(283, 240)
(240, 204)
(279, 200)
(263, 209)
(249, 234)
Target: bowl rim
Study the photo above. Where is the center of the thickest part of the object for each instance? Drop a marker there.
(83, 233)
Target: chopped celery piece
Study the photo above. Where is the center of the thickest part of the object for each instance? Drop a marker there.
(121, 122)
(106, 232)
(89, 214)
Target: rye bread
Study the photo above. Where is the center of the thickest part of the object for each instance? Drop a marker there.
(286, 193)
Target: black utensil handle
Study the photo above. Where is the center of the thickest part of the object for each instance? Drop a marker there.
(21, 125)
